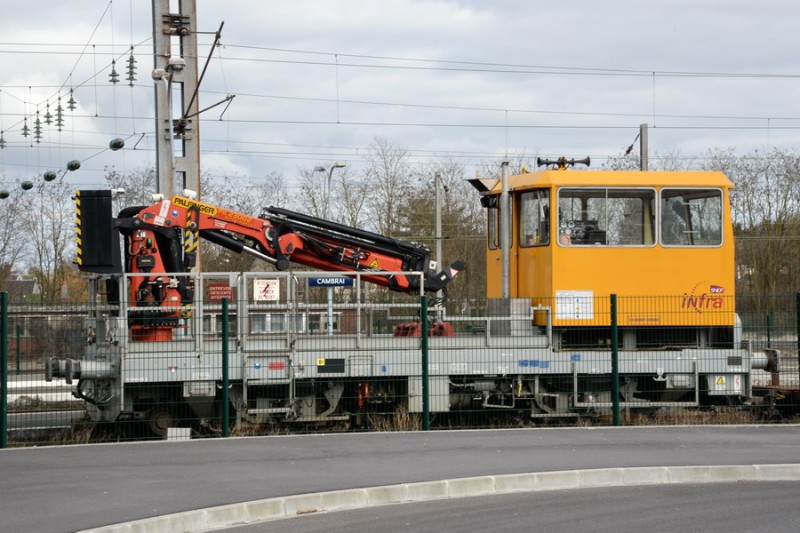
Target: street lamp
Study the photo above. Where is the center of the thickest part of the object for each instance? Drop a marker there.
(338, 164)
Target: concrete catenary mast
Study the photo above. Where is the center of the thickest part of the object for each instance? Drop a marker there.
(176, 75)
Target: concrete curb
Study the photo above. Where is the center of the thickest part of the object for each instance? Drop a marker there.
(290, 506)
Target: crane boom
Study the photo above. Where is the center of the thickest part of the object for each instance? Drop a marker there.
(161, 239)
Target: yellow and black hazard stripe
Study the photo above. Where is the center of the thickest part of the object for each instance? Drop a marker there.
(191, 237)
(191, 241)
(78, 227)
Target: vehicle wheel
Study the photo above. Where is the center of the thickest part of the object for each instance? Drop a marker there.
(159, 420)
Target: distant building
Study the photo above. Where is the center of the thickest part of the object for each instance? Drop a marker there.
(21, 290)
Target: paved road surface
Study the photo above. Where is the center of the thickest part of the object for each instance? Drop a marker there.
(715, 508)
(57, 489)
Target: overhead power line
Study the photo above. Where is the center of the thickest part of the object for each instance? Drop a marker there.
(500, 109)
(406, 62)
(478, 66)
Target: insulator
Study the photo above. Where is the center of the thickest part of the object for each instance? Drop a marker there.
(2, 141)
(48, 118)
(59, 115)
(37, 128)
(113, 77)
(71, 103)
(131, 70)
(25, 129)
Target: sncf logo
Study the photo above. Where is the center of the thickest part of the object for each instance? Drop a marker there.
(699, 300)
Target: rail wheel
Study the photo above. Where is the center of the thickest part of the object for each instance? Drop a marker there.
(159, 420)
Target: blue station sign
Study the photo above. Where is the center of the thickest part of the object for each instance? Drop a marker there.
(330, 282)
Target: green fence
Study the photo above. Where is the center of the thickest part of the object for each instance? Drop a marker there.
(258, 357)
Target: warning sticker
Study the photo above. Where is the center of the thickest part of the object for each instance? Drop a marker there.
(266, 290)
(576, 305)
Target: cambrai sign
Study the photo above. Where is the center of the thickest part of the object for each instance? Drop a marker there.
(330, 282)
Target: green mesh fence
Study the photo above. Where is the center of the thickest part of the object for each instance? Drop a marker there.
(299, 362)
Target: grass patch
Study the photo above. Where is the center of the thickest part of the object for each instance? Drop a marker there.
(400, 420)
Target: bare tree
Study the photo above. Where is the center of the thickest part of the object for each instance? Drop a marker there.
(463, 228)
(313, 192)
(245, 195)
(627, 161)
(670, 161)
(462, 223)
(388, 175)
(12, 240)
(518, 162)
(766, 215)
(139, 185)
(349, 193)
(673, 161)
(47, 219)
(353, 194)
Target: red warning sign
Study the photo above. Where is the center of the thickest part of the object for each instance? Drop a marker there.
(219, 291)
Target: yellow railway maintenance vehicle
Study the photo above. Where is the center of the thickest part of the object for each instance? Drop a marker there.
(564, 241)
(560, 244)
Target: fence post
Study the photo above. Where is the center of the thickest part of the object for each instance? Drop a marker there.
(614, 361)
(797, 318)
(3, 369)
(18, 330)
(769, 329)
(426, 401)
(225, 377)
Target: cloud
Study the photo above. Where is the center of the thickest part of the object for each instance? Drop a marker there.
(316, 81)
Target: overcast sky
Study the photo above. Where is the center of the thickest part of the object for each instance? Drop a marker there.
(317, 81)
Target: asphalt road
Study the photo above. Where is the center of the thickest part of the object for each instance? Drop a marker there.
(69, 488)
(715, 508)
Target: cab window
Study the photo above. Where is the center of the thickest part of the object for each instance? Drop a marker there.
(691, 217)
(534, 218)
(606, 217)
